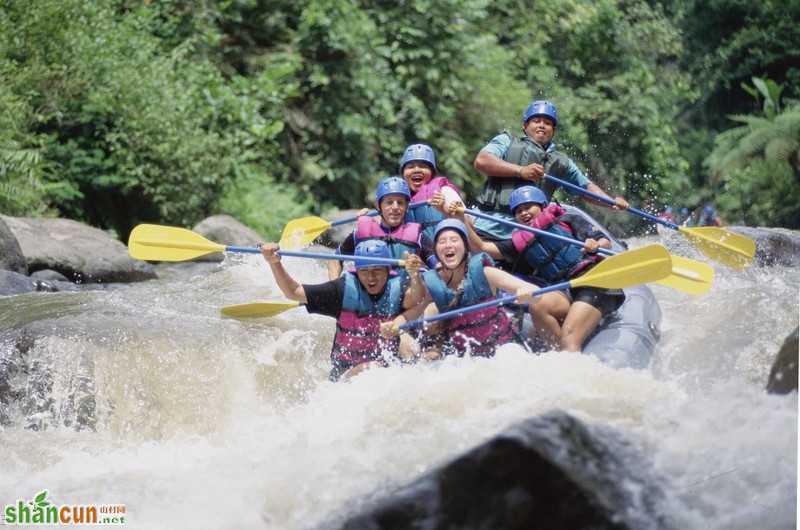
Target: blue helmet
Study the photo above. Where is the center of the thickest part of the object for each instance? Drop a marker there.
(371, 248)
(708, 210)
(540, 108)
(392, 185)
(420, 153)
(524, 195)
(668, 209)
(450, 224)
(684, 211)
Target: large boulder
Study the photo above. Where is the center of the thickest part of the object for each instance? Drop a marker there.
(78, 251)
(783, 376)
(226, 230)
(774, 246)
(11, 258)
(550, 473)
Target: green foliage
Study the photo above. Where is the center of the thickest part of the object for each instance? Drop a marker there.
(264, 205)
(758, 166)
(121, 111)
(130, 132)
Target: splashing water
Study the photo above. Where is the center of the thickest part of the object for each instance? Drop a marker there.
(207, 422)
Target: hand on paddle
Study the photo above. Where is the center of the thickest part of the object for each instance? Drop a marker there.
(591, 246)
(413, 264)
(531, 172)
(620, 203)
(270, 252)
(525, 295)
(391, 328)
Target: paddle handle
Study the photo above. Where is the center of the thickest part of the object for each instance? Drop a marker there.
(243, 250)
(483, 305)
(610, 202)
(527, 228)
(372, 213)
(321, 255)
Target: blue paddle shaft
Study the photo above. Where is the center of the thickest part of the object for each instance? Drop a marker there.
(340, 257)
(483, 305)
(535, 230)
(372, 213)
(318, 255)
(610, 202)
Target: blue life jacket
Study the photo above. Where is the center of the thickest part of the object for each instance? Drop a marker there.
(477, 332)
(552, 260)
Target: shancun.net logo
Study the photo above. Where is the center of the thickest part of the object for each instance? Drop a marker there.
(41, 511)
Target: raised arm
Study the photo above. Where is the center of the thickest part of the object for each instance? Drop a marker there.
(288, 286)
(500, 279)
(476, 244)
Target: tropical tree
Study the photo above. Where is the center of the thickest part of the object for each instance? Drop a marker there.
(757, 165)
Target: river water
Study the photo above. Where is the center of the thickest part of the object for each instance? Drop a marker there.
(209, 422)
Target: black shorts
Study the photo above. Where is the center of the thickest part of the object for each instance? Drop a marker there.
(605, 300)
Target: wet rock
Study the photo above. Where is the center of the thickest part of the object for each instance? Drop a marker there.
(48, 275)
(12, 283)
(783, 376)
(11, 258)
(549, 472)
(29, 369)
(226, 230)
(78, 251)
(774, 246)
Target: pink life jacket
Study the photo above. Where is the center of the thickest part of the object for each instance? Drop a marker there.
(358, 338)
(425, 214)
(404, 238)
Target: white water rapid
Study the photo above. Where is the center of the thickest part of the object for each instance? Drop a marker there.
(209, 422)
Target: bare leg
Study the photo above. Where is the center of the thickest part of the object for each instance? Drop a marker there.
(581, 320)
(548, 311)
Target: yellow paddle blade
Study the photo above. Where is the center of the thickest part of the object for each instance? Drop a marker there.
(257, 309)
(168, 243)
(688, 275)
(299, 233)
(632, 267)
(729, 248)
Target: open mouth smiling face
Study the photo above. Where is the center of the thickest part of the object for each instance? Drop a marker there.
(417, 174)
(450, 249)
(373, 278)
